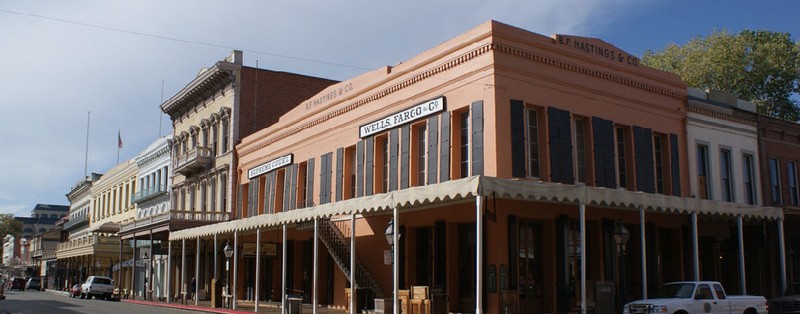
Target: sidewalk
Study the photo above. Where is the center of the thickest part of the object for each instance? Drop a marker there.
(241, 307)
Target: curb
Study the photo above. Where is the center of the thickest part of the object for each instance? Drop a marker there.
(187, 307)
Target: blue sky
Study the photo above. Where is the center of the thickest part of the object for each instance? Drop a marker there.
(62, 59)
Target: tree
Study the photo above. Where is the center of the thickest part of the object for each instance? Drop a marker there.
(759, 66)
(9, 225)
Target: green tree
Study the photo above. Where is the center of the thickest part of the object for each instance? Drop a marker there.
(9, 225)
(759, 66)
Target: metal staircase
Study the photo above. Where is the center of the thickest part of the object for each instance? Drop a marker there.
(339, 248)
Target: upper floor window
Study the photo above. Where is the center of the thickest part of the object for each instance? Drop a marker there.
(532, 143)
(725, 175)
(659, 151)
(775, 181)
(463, 144)
(580, 148)
(621, 136)
(214, 139)
(418, 162)
(748, 178)
(702, 172)
(791, 176)
(205, 137)
(225, 135)
(382, 162)
(350, 172)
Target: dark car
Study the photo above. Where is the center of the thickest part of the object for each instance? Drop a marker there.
(75, 291)
(788, 303)
(17, 283)
(34, 283)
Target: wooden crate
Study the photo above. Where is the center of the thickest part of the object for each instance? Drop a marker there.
(420, 306)
(420, 293)
(403, 296)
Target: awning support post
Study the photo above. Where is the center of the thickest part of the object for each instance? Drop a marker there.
(695, 247)
(742, 279)
(479, 254)
(582, 214)
(643, 241)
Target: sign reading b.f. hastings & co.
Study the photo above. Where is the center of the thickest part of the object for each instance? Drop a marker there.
(269, 166)
(417, 112)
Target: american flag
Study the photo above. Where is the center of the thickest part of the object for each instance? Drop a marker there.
(119, 139)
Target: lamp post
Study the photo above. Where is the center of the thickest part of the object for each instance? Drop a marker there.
(621, 236)
(146, 260)
(228, 253)
(390, 239)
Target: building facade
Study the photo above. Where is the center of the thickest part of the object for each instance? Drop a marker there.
(503, 159)
(209, 116)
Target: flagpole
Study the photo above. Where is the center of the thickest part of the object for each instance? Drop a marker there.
(86, 160)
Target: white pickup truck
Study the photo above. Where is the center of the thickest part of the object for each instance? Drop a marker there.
(98, 286)
(689, 297)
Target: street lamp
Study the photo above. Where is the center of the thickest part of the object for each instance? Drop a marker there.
(97, 266)
(621, 236)
(228, 253)
(395, 276)
(146, 260)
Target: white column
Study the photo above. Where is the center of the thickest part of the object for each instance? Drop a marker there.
(283, 271)
(196, 270)
(235, 267)
(353, 294)
(395, 262)
(479, 254)
(582, 214)
(183, 267)
(316, 267)
(643, 240)
(742, 279)
(695, 247)
(782, 254)
(169, 271)
(258, 264)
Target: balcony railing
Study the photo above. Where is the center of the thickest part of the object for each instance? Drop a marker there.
(148, 193)
(176, 215)
(44, 253)
(78, 221)
(197, 159)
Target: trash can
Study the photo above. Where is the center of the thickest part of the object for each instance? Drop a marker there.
(294, 302)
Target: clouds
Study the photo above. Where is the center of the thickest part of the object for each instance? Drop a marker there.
(62, 59)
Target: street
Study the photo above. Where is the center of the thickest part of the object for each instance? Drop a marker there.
(48, 302)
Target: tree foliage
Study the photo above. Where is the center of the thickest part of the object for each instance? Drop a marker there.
(759, 66)
(9, 225)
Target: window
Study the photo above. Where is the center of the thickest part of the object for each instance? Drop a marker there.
(419, 136)
(703, 292)
(213, 195)
(530, 278)
(532, 143)
(383, 161)
(702, 171)
(622, 156)
(302, 185)
(194, 139)
(463, 127)
(223, 183)
(205, 137)
(214, 139)
(775, 181)
(747, 178)
(350, 172)
(192, 191)
(203, 197)
(791, 176)
(580, 149)
(225, 135)
(658, 146)
(725, 175)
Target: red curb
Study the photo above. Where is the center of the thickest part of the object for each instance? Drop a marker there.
(186, 307)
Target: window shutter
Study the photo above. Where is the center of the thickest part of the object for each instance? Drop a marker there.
(404, 155)
(393, 147)
(517, 138)
(293, 169)
(267, 189)
(675, 165)
(309, 183)
(433, 148)
(560, 145)
(638, 152)
(360, 169)
(444, 164)
(477, 138)
(603, 132)
(325, 177)
(287, 189)
(339, 173)
(649, 163)
(369, 166)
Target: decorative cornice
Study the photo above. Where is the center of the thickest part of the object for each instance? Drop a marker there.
(201, 87)
(722, 116)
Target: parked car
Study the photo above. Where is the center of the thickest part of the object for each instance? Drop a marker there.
(697, 297)
(788, 303)
(98, 286)
(33, 283)
(75, 291)
(17, 283)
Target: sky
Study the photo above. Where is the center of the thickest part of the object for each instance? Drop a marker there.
(66, 64)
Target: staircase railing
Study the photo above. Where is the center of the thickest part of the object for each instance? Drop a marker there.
(339, 248)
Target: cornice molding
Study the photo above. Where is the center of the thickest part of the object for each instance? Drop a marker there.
(722, 116)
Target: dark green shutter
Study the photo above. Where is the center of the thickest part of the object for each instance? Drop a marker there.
(309, 183)
(405, 155)
(477, 138)
(433, 149)
(369, 169)
(675, 165)
(560, 145)
(444, 164)
(393, 152)
(360, 168)
(517, 138)
(339, 173)
(604, 169)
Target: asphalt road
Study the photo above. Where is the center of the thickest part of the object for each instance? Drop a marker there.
(35, 302)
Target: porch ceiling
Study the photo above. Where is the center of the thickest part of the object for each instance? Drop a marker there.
(455, 190)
